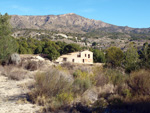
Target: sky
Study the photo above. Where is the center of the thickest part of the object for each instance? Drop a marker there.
(132, 13)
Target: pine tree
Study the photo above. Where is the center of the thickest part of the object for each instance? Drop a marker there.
(7, 42)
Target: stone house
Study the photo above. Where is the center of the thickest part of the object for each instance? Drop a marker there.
(82, 57)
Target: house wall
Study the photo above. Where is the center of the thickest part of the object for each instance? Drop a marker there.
(87, 56)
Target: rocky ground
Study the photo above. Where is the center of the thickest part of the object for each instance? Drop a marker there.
(13, 96)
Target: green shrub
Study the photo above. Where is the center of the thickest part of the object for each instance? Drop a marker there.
(131, 67)
(126, 93)
(80, 74)
(65, 97)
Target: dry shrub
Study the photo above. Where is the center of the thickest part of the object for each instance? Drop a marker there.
(50, 87)
(32, 65)
(100, 105)
(14, 73)
(52, 82)
(100, 78)
(116, 77)
(71, 67)
(6, 70)
(17, 74)
(81, 85)
(86, 68)
(139, 82)
(68, 65)
(83, 81)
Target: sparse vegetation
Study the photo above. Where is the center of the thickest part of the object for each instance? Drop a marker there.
(120, 83)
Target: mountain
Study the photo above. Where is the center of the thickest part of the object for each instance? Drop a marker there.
(66, 22)
(72, 23)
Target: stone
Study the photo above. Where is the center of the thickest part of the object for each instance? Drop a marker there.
(90, 96)
(15, 58)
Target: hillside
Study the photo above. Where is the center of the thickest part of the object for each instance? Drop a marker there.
(72, 28)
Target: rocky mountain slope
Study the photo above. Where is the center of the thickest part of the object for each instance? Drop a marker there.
(69, 23)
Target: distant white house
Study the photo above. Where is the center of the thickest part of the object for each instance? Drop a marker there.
(83, 57)
(63, 35)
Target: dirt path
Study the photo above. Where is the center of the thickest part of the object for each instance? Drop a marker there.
(12, 96)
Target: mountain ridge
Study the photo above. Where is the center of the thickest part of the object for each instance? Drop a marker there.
(70, 22)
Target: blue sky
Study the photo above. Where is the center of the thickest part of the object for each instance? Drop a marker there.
(132, 13)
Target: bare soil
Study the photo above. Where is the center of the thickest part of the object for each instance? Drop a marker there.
(13, 96)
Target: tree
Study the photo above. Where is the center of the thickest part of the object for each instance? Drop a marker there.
(61, 45)
(5, 28)
(23, 45)
(38, 49)
(71, 48)
(98, 56)
(52, 53)
(144, 54)
(131, 58)
(114, 56)
(7, 43)
(94, 44)
(22, 50)
(31, 45)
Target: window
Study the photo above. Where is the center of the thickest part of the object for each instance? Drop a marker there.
(88, 55)
(79, 55)
(72, 60)
(64, 59)
(83, 60)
